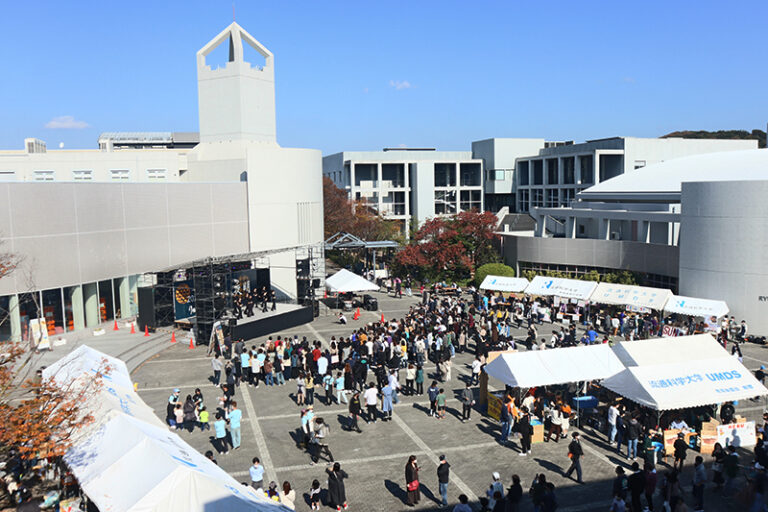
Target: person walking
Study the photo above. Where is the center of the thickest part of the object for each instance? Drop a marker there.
(235, 415)
(337, 494)
(495, 491)
(681, 447)
(575, 452)
(412, 481)
(514, 495)
(257, 474)
(371, 398)
(319, 441)
(467, 401)
(354, 412)
(443, 475)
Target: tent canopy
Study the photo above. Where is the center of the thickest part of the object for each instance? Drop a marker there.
(559, 287)
(345, 281)
(692, 306)
(686, 384)
(504, 284)
(128, 460)
(549, 367)
(630, 295)
(678, 350)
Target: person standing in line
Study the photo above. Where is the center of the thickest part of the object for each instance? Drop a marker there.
(341, 394)
(410, 378)
(257, 474)
(328, 384)
(412, 482)
(371, 398)
(633, 431)
(443, 474)
(432, 393)
(699, 479)
(505, 418)
(575, 452)
(419, 380)
(387, 395)
(220, 435)
(526, 430)
(613, 413)
(309, 386)
(217, 367)
(467, 401)
(235, 415)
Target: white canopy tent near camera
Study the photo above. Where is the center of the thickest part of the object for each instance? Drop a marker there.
(127, 460)
(504, 284)
(630, 295)
(692, 306)
(345, 281)
(560, 287)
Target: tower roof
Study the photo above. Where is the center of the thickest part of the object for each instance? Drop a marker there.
(235, 34)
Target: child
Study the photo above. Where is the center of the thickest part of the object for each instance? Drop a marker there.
(314, 495)
(203, 419)
(178, 412)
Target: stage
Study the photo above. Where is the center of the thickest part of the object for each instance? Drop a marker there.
(271, 322)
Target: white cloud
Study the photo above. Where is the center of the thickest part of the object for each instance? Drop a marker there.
(65, 123)
(628, 80)
(399, 85)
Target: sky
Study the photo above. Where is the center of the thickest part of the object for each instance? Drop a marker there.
(367, 75)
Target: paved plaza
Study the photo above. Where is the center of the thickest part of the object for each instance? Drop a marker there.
(375, 459)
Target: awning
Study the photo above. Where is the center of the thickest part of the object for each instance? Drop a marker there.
(557, 366)
(504, 284)
(345, 281)
(630, 295)
(669, 350)
(559, 287)
(686, 384)
(127, 460)
(692, 306)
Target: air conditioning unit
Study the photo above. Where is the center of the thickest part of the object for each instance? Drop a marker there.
(615, 235)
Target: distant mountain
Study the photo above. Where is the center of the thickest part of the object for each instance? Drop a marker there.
(720, 134)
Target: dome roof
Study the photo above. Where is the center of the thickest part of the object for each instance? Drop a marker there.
(663, 181)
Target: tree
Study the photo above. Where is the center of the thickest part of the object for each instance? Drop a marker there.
(355, 217)
(493, 269)
(451, 247)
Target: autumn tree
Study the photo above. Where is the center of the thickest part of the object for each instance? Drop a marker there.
(451, 248)
(355, 217)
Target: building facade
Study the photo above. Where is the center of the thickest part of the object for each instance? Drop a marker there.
(89, 226)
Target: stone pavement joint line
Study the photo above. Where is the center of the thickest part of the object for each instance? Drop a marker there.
(428, 451)
(264, 456)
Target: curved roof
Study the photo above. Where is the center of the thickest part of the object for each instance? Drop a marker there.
(663, 180)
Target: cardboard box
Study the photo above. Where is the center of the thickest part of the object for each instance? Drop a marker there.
(538, 434)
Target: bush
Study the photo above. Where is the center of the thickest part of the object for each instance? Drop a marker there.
(493, 269)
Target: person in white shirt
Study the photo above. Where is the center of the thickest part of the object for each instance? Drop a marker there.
(613, 413)
(476, 366)
(371, 397)
(322, 365)
(679, 424)
(394, 383)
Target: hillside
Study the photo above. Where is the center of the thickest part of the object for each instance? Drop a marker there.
(720, 134)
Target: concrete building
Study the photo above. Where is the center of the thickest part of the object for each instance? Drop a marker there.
(90, 224)
(694, 224)
(409, 184)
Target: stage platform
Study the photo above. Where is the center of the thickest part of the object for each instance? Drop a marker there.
(272, 322)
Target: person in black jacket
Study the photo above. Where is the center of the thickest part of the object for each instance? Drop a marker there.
(575, 452)
(354, 412)
(526, 430)
(636, 482)
(443, 474)
(514, 495)
(681, 447)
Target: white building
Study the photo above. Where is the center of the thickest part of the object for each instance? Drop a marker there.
(89, 223)
(409, 184)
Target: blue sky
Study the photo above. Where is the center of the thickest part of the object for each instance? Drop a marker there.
(365, 75)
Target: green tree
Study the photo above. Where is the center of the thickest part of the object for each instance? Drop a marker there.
(493, 269)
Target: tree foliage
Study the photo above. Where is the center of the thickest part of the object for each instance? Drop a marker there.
(758, 135)
(355, 217)
(451, 248)
(493, 269)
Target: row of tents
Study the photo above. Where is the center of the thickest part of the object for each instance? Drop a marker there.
(659, 299)
(661, 373)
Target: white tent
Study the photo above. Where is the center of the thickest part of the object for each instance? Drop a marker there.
(557, 366)
(669, 350)
(630, 295)
(686, 384)
(504, 284)
(345, 281)
(128, 460)
(559, 287)
(692, 306)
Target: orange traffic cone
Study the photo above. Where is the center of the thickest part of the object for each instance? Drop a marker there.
(191, 341)
(133, 327)
(115, 328)
(173, 337)
(357, 314)
(146, 331)
(382, 318)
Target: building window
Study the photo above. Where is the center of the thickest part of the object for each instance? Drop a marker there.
(445, 175)
(445, 202)
(569, 174)
(369, 198)
(156, 174)
(44, 175)
(525, 199)
(470, 200)
(568, 195)
(537, 197)
(552, 171)
(587, 169)
(120, 174)
(366, 175)
(393, 204)
(393, 175)
(470, 175)
(538, 172)
(522, 172)
(82, 175)
(552, 198)
(7, 176)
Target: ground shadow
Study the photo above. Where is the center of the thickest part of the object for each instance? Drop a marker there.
(396, 490)
(550, 466)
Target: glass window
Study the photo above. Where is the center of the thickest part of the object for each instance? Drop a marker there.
(393, 175)
(445, 202)
(552, 177)
(470, 175)
(44, 175)
(5, 318)
(470, 200)
(105, 301)
(120, 174)
(28, 310)
(538, 172)
(156, 174)
(72, 293)
(366, 175)
(53, 311)
(525, 203)
(445, 175)
(568, 195)
(393, 204)
(522, 172)
(569, 174)
(82, 175)
(537, 197)
(552, 198)
(587, 166)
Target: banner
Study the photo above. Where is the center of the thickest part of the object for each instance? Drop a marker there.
(737, 434)
(38, 332)
(559, 287)
(183, 300)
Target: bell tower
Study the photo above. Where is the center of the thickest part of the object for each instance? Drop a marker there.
(237, 101)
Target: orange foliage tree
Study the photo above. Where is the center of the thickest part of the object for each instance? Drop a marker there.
(355, 217)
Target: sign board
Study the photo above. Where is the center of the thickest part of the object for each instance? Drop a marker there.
(494, 406)
(38, 331)
(737, 434)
